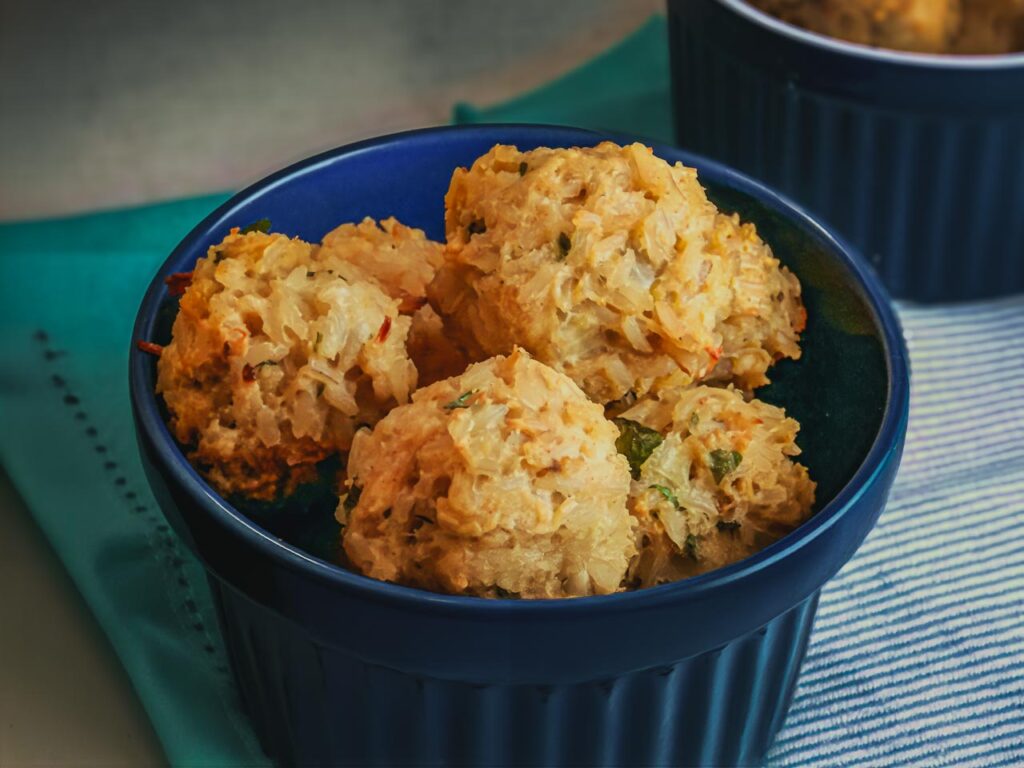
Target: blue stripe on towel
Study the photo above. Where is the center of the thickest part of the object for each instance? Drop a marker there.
(917, 656)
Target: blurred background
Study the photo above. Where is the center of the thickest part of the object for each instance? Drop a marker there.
(121, 103)
(109, 104)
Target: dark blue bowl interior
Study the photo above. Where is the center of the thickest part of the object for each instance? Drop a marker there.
(851, 378)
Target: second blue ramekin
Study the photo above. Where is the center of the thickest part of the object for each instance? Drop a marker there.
(916, 159)
(338, 669)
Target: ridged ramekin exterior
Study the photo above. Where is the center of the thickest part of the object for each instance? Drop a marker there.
(335, 668)
(918, 165)
(314, 704)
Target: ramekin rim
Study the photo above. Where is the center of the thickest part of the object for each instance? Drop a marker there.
(968, 62)
(890, 432)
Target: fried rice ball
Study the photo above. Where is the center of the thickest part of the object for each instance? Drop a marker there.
(923, 26)
(613, 267)
(504, 481)
(280, 350)
(714, 480)
(403, 261)
(436, 354)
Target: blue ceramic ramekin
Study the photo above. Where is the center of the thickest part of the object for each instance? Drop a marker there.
(917, 160)
(337, 669)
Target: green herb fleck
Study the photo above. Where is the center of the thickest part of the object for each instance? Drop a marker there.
(667, 493)
(476, 227)
(727, 525)
(694, 419)
(691, 546)
(523, 168)
(260, 225)
(564, 244)
(462, 401)
(723, 462)
(352, 498)
(636, 442)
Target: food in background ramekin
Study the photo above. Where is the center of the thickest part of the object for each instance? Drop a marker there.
(925, 26)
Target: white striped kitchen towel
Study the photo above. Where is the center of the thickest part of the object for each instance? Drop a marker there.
(917, 655)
